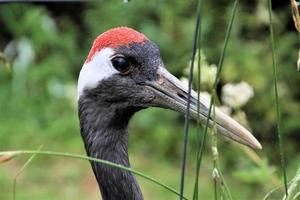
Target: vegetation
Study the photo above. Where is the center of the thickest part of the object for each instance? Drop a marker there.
(43, 47)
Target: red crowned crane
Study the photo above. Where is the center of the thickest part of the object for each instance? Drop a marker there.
(123, 74)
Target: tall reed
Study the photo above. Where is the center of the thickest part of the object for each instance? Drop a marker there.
(278, 115)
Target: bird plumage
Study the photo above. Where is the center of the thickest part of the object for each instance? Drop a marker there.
(104, 130)
(114, 38)
(107, 101)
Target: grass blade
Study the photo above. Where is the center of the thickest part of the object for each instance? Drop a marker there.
(187, 114)
(220, 65)
(81, 157)
(293, 188)
(196, 184)
(278, 115)
(20, 172)
(217, 173)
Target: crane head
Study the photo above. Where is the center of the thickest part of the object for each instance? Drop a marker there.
(124, 69)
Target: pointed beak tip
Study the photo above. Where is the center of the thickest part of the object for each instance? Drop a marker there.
(255, 144)
(258, 146)
(167, 89)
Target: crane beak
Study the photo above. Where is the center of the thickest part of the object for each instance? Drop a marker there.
(171, 93)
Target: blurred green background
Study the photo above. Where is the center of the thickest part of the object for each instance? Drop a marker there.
(46, 45)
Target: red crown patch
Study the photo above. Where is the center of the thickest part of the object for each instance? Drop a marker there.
(114, 38)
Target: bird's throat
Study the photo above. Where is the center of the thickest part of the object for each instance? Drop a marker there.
(104, 131)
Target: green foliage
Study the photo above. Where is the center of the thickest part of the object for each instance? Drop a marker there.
(46, 46)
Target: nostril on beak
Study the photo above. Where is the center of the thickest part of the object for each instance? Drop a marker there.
(182, 96)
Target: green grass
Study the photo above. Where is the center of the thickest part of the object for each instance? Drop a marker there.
(59, 178)
(32, 114)
(277, 106)
(13, 154)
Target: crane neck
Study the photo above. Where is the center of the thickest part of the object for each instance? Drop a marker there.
(104, 130)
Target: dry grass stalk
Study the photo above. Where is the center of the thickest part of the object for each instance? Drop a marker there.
(296, 18)
(298, 61)
(7, 156)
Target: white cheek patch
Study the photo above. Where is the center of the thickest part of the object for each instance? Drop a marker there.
(94, 71)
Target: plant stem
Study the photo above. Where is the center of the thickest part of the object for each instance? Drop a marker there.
(20, 171)
(220, 65)
(76, 156)
(278, 115)
(187, 114)
(196, 184)
(214, 149)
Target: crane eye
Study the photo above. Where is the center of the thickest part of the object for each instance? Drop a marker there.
(121, 64)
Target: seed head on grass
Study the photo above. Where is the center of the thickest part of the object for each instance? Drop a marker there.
(7, 156)
(215, 174)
